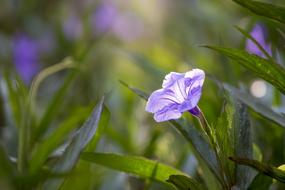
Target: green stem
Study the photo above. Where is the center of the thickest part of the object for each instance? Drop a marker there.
(206, 128)
(66, 63)
(22, 144)
(23, 137)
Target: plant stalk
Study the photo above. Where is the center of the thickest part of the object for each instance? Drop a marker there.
(206, 128)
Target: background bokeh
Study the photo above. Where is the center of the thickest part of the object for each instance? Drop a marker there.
(137, 42)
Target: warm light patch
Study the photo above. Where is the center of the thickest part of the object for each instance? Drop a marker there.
(258, 88)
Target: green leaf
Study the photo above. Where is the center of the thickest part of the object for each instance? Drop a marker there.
(184, 183)
(71, 154)
(104, 120)
(57, 137)
(256, 105)
(136, 165)
(260, 182)
(14, 92)
(83, 171)
(242, 144)
(265, 69)
(261, 167)
(233, 135)
(264, 9)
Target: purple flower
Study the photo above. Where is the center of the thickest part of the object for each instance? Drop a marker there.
(128, 27)
(25, 57)
(180, 92)
(104, 17)
(124, 25)
(258, 33)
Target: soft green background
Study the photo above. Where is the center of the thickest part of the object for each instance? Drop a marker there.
(170, 38)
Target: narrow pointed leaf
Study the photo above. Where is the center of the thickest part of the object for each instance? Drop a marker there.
(261, 167)
(104, 120)
(136, 165)
(264, 9)
(57, 137)
(265, 69)
(71, 154)
(82, 170)
(15, 93)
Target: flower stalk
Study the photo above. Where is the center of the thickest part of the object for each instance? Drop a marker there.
(22, 143)
(207, 130)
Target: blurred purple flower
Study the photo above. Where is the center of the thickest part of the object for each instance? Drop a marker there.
(180, 92)
(128, 27)
(258, 33)
(107, 17)
(104, 17)
(72, 27)
(25, 57)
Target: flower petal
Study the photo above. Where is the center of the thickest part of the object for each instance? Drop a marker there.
(179, 90)
(171, 78)
(194, 79)
(185, 106)
(167, 113)
(195, 95)
(160, 99)
(259, 34)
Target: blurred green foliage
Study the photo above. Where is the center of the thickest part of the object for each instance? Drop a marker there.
(46, 121)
